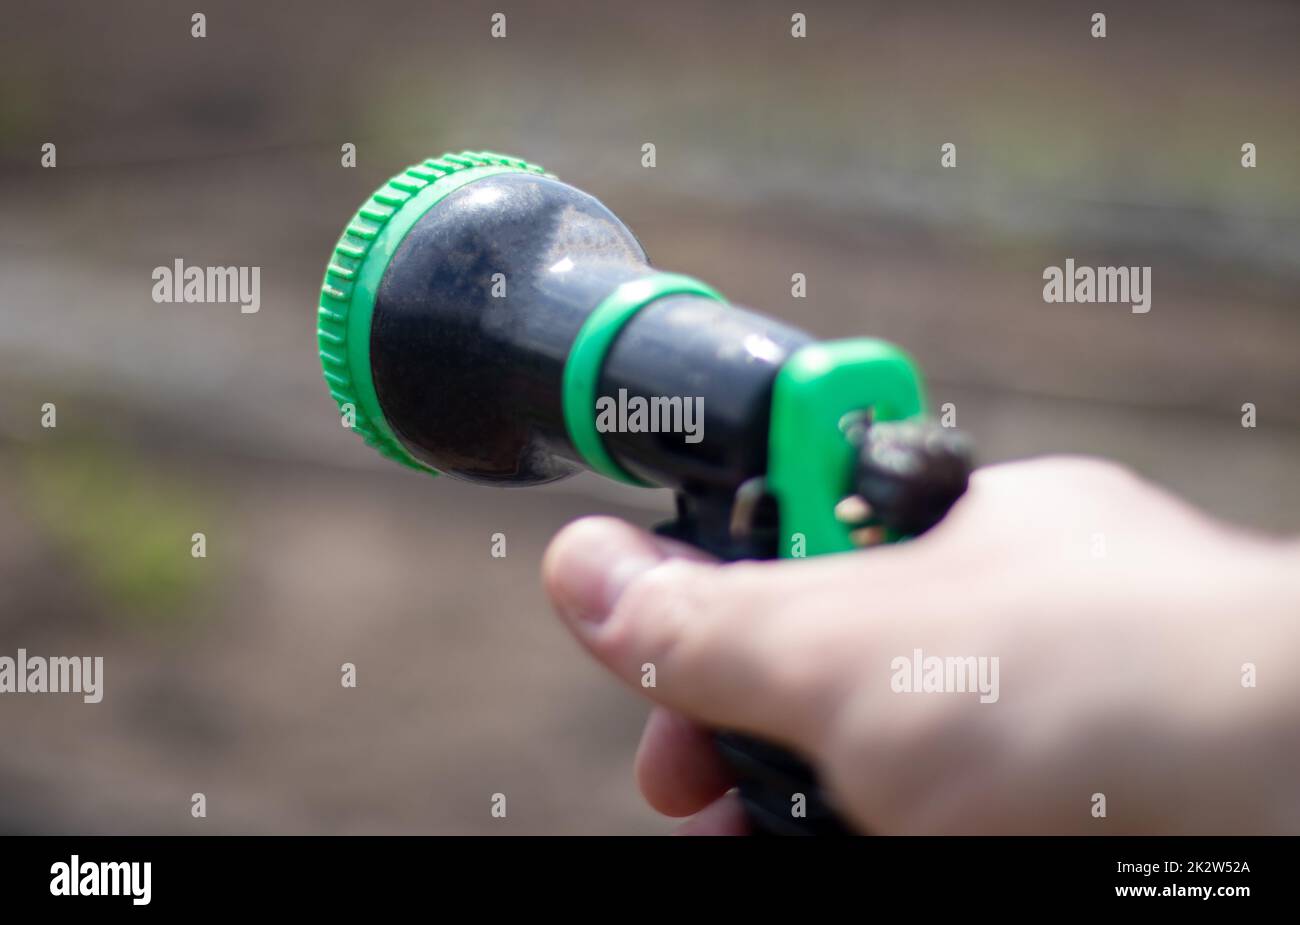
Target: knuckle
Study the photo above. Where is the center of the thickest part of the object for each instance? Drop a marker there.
(687, 614)
(656, 607)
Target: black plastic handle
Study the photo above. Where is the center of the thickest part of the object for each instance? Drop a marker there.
(907, 475)
(779, 790)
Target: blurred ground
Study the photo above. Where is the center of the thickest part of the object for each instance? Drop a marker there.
(775, 156)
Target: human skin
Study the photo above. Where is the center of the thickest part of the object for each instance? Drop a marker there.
(1125, 623)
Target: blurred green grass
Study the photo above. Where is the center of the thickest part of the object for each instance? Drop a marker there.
(125, 526)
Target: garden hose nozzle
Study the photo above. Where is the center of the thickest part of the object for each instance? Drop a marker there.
(483, 320)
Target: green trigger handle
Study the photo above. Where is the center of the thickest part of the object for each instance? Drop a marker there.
(817, 398)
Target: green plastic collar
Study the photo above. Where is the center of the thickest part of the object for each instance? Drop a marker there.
(356, 268)
(582, 369)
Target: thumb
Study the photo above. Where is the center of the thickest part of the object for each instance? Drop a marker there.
(728, 645)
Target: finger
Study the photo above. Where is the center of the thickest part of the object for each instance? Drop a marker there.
(583, 579)
(678, 767)
(724, 816)
(734, 646)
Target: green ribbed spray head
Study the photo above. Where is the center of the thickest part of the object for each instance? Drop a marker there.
(354, 272)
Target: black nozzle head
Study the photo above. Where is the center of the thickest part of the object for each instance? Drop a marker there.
(474, 319)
